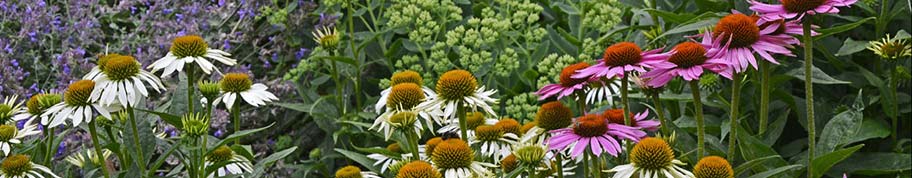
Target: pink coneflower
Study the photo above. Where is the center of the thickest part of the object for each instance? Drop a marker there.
(592, 131)
(620, 58)
(798, 8)
(616, 116)
(745, 37)
(567, 84)
(688, 60)
(788, 27)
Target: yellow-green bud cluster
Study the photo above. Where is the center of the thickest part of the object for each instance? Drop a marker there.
(195, 125)
(209, 89)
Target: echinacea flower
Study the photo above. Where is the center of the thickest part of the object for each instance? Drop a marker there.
(404, 120)
(354, 172)
(76, 106)
(592, 132)
(36, 106)
(418, 169)
(550, 116)
(742, 37)
(493, 141)
(688, 60)
(10, 108)
(402, 77)
(651, 158)
(89, 156)
(459, 87)
(195, 125)
(713, 167)
(619, 59)
(328, 37)
(237, 86)
(233, 163)
(473, 120)
(538, 156)
(99, 65)
(798, 8)
(509, 163)
(21, 166)
(190, 49)
(10, 134)
(567, 85)
(601, 90)
(401, 98)
(639, 120)
(455, 158)
(122, 81)
(385, 161)
(509, 126)
(891, 48)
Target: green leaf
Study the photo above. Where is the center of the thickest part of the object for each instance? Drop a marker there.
(838, 131)
(775, 129)
(842, 28)
(238, 135)
(902, 34)
(341, 59)
(359, 158)
(819, 77)
(671, 16)
(179, 96)
(566, 8)
(776, 171)
(261, 165)
(753, 162)
(300, 107)
(690, 27)
(874, 164)
(870, 128)
(823, 163)
(168, 118)
(851, 46)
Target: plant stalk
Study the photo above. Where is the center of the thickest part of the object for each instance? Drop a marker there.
(461, 114)
(698, 112)
(660, 111)
(139, 151)
(49, 133)
(560, 164)
(735, 114)
(596, 165)
(809, 92)
(413, 143)
(236, 119)
(624, 86)
(190, 89)
(764, 96)
(104, 162)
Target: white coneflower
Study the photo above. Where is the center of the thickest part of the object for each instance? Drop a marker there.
(473, 120)
(236, 86)
(403, 98)
(354, 172)
(99, 66)
(122, 81)
(77, 107)
(88, 157)
(190, 49)
(385, 161)
(550, 116)
(403, 77)
(459, 87)
(455, 158)
(232, 163)
(36, 105)
(10, 108)
(21, 166)
(494, 141)
(651, 158)
(418, 169)
(404, 121)
(891, 48)
(9, 135)
(328, 37)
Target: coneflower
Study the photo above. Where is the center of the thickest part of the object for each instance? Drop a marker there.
(798, 8)
(458, 90)
(354, 172)
(455, 158)
(651, 158)
(36, 106)
(567, 85)
(891, 48)
(550, 116)
(418, 169)
(77, 106)
(231, 163)
(21, 166)
(10, 134)
(122, 81)
(190, 49)
(493, 140)
(713, 167)
(9, 109)
(402, 77)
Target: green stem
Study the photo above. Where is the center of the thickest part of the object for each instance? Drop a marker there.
(202, 157)
(190, 89)
(113, 139)
(585, 165)
(560, 164)
(581, 103)
(596, 165)
(624, 101)
(660, 111)
(461, 114)
(139, 151)
(698, 112)
(764, 95)
(531, 170)
(236, 119)
(335, 76)
(735, 106)
(809, 92)
(49, 133)
(351, 35)
(193, 169)
(893, 87)
(98, 152)
(413, 143)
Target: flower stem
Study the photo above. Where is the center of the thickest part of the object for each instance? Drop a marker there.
(698, 112)
(354, 51)
(660, 111)
(531, 170)
(49, 133)
(764, 95)
(735, 114)
(202, 157)
(809, 92)
(236, 119)
(461, 114)
(624, 101)
(190, 89)
(585, 165)
(596, 165)
(560, 164)
(413, 143)
(139, 151)
(98, 152)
